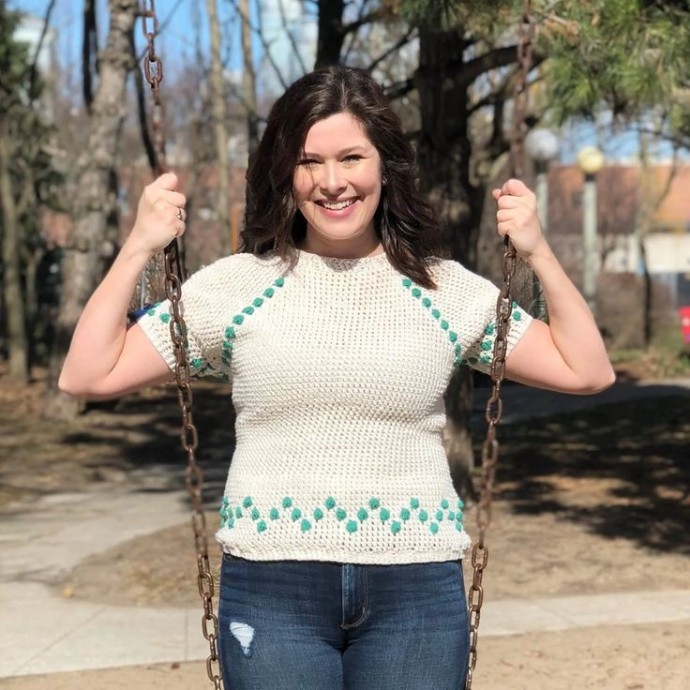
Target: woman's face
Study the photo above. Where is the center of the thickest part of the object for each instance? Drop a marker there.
(337, 186)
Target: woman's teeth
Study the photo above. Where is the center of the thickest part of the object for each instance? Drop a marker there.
(337, 205)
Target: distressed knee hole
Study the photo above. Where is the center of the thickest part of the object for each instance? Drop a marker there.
(244, 634)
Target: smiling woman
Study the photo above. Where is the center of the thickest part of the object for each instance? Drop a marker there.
(339, 327)
(338, 187)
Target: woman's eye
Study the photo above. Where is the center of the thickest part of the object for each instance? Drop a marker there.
(352, 158)
(307, 162)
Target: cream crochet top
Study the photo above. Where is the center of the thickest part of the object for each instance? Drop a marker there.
(338, 369)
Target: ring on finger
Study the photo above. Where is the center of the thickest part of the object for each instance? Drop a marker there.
(180, 215)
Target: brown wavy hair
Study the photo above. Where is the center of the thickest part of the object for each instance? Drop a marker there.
(405, 223)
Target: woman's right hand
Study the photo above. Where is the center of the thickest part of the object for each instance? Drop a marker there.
(160, 216)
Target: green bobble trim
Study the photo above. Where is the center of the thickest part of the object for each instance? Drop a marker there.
(489, 330)
(229, 514)
(461, 504)
(517, 316)
(197, 363)
(485, 359)
(165, 318)
(238, 319)
(427, 303)
(486, 345)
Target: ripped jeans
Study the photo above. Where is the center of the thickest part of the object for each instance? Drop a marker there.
(290, 625)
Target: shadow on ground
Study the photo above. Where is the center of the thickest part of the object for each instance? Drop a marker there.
(134, 442)
(621, 469)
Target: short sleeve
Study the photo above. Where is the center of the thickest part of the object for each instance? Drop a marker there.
(480, 354)
(470, 303)
(202, 340)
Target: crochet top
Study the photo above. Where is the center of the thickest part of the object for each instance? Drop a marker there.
(338, 369)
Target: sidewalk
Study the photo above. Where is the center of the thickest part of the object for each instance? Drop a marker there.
(45, 633)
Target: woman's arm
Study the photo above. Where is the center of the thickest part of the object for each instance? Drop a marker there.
(106, 358)
(568, 354)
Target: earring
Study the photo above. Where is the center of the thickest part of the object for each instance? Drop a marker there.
(384, 180)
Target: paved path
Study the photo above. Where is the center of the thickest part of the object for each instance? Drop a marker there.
(43, 633)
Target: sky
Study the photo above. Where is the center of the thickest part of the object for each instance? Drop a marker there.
(176, 18)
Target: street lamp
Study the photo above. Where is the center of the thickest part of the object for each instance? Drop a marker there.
(542, 146)
(590, 160)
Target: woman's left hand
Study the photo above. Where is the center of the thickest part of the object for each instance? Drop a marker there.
(517, 217)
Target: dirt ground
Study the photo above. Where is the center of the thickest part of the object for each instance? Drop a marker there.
(642, 657)
(594, 502)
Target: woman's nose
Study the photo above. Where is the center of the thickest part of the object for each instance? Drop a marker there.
(333, 180)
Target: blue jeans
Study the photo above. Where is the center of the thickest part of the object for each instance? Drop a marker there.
(291, 625)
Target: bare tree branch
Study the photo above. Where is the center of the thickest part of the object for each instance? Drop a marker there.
(33, 70)
(291, 38)
(409, 35)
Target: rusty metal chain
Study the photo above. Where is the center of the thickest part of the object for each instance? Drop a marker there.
(494, 406)
(194, 478)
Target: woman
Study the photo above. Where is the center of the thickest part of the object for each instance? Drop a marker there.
(339, 329)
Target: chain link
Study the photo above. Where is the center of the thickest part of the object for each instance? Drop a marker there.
(174, 275)
(494, 406)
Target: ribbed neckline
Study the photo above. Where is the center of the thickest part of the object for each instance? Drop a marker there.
(376, 261)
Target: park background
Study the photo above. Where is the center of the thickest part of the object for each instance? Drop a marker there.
(588, 501)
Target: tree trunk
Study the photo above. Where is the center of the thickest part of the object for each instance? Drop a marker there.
(15, 315)
(249, 81)
(329, 44)
(444, 165)
(83, 263)
(220, 127)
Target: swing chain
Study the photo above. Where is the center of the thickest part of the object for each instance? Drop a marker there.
(194, 477)
(504, 306)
